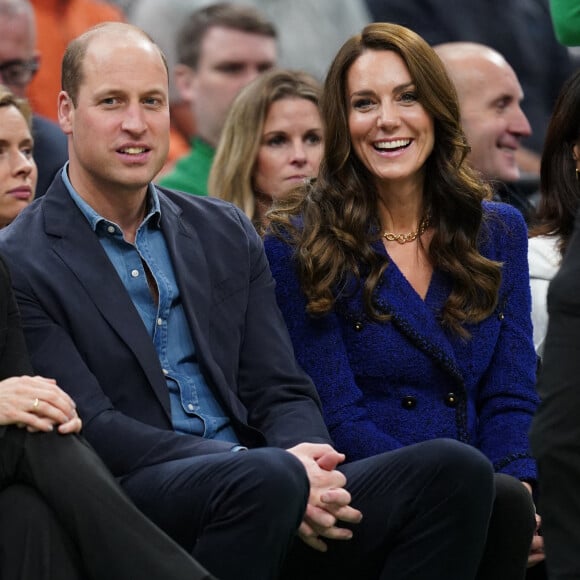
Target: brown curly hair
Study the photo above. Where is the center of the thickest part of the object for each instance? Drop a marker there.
(333, 223)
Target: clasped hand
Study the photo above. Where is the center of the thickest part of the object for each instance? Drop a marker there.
(328, 502)
(38, 404)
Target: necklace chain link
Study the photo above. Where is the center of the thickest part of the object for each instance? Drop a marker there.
(411, 236)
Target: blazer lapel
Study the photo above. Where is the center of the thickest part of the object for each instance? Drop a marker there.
(191, 270)
(80, 250)
(417, 318)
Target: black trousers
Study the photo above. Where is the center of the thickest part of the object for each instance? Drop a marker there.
(427, 509)
(438, 512)
(510, 533)
(33, 544)
(64, 517)
(237, 513)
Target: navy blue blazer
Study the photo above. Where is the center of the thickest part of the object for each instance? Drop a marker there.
(50, 151)
(387, 385)
(82, 329)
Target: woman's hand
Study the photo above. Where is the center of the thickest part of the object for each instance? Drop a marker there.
(38, 404)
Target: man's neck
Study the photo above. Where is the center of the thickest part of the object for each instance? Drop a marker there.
(126, 209)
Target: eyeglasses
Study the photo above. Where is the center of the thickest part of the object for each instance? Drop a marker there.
(18, 72)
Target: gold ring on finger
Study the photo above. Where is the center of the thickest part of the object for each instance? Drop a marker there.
(35, 404)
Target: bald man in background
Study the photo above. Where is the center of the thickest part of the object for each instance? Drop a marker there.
(490, 97)
(19, 63)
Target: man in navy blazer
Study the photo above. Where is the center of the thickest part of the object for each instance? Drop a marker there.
(156, 312)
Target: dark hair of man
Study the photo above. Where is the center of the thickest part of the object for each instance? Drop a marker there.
(339, 210)
(223, 15)
(559, 180)
(72, 75)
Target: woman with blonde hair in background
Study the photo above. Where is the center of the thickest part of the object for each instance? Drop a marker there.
(271, 141)
(18, 173)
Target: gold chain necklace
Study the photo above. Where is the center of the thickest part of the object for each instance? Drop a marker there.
(404, 238)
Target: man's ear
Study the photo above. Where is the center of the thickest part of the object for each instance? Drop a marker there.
(65, 112)
(185, 82)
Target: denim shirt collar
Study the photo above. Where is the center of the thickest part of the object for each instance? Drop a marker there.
(153, 216)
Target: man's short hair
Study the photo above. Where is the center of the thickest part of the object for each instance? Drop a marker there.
(72, 75)
(224, 15)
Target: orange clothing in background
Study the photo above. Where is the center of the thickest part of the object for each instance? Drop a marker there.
(57, 23)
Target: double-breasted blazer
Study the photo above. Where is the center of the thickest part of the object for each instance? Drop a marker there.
(387, 385)
(81, 328)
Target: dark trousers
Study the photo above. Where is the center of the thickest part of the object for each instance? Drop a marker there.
(64, 508)
(426, 511)
(236, 512)
(510, 532)
(33, 544)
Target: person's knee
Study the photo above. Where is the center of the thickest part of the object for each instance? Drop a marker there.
(459, 461)
(513, 503)
(278, 473)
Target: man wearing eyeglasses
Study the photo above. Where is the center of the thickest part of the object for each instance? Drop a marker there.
(19, 61)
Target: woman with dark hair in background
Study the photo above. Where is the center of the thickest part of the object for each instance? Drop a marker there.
(555, 433)
(559, 201)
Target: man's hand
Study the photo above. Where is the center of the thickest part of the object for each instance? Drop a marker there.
(329, 501)
(38, 404)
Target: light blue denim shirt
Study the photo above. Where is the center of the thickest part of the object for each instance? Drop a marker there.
(194, 409)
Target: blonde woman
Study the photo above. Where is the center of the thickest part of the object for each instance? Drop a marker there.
(272, 141)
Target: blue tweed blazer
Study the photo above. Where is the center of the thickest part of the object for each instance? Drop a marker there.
(387, 385)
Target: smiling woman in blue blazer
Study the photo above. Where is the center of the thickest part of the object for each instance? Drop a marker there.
(406, 293)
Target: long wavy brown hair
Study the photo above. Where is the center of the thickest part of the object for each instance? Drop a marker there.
(334, 222)
(559, 182)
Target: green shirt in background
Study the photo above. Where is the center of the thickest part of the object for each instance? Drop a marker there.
(566, 21)
(191, 171)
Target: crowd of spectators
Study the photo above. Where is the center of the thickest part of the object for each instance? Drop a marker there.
(281, 248)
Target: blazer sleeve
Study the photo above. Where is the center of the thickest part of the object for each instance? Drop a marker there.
(14, 360)
(54, 354)
(280, 399)
(321, 352)
(507, 397)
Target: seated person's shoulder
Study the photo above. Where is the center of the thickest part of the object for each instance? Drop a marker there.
(208, 212)
(498, 214)
(504, 234)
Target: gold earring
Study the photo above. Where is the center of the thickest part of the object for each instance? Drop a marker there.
(577, 174)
